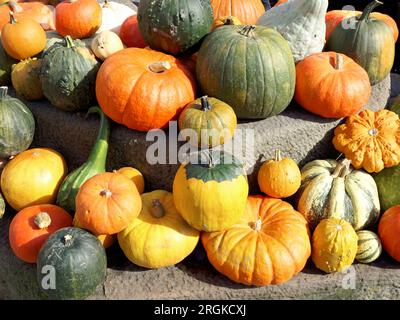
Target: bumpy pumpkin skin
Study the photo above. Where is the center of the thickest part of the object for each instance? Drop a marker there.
(389, 230)
(268, 245)
(25, 79)
(331, 85)
(387, 182)
(369, 246)
(211, 197)
(17, 125)
(262, 66)
(158, 237)
(334, 245)
(363, 137)
(301, 23)
(370, 44)
(331, 189)
(79, 260)
(174, 26)
(247, 11)
(68, 75)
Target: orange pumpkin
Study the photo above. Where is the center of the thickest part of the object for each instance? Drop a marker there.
(107, 203)
(269, 245)
(130, 34)
(389, 231)
(22, 38)
(247, 11)
(78, 18)
(371, 140)
(126, 85)
(31, 227)
(42, 14)
(135, 175)
(107, 240)
(331, 85)
(226, 21)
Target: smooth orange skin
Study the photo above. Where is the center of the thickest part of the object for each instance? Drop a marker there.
(247, 11)
(107, 240)
(23, 39)
(389, 231)
(102, 215)
(26, 239)
(79, 18)
(132, 95)
(272, 255)
(331, 93)
(130, 34)
(134, 175)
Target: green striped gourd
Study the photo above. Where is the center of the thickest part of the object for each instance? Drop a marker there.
(369, 246)
(95, 164)
(331, 189)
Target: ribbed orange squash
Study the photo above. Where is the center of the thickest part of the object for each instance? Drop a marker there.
(247, 11)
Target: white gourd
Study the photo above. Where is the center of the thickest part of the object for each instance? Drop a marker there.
(301, 23)
(114, 14)
(105, 44)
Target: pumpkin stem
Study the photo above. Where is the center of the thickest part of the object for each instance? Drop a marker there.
(248, 31)
(70, 42)
(342, 169)
(106, 4)
(205, 104)
(42, 220)
(339, 62)
(15, 7)
(278, 156)
(368, 9)
(3, 92)
(157, 209)
(160, 66)
(67, 240)
(229, 21)
(12, 18)
(106, 193)
(257, 225)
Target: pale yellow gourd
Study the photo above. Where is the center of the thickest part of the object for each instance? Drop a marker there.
(105, 44)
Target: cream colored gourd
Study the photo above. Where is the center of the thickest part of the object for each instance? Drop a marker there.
(301, 23)
(114, 14)
(105, 44)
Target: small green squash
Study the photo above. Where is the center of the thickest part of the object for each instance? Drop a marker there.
(6, 63)
(174, 26)
(68, 75)
(77, 260)
(95, 164)
(369, 246)
(251, 68)
(388, 183)
(370, 43)
(17, 125)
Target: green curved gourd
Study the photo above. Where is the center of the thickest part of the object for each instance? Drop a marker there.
(68, 75)
(71, 264)
(95, 164)
(17, 125)
(251, 68)
(174, 26)
(6, 63)
(370, 43)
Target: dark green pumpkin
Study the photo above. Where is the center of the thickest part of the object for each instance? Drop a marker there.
(17, 125)
(68, 75)
(370, 43)
(174, 26)
(95, 164)
(251, 68)
(6, 63)
(78, 260)
(388, 183)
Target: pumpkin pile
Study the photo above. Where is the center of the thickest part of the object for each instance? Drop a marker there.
(204, 64)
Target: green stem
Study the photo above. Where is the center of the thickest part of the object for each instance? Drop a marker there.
(205, 104)
(98, 154)
(3, 92)
(70, 42)
(157, 209)
(368, 9)
(278, 156)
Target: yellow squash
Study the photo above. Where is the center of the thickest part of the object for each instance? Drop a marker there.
(135, 175)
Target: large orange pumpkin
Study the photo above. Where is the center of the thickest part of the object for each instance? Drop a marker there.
(389, 232)
(247, 11)
(107, 203)
(371, 140)
(331, 85)
(78, 18)
(143, 89)
(31, 227)
(269, 245)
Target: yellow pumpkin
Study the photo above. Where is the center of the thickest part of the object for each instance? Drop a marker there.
(226, 21)
(279, 178)
(25, 79)
(210, 190)
(135, 175)
(334, 245)
(33, 177)
(159, 237)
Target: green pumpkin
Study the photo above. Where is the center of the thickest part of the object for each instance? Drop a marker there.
(251, 68)
(17, 125)
(78, 260)
(6, 63)
(174, 26)
(369, 246)
(370, 43)
(331, 189)
(95, 164)
(388, 183)
(68, 75)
